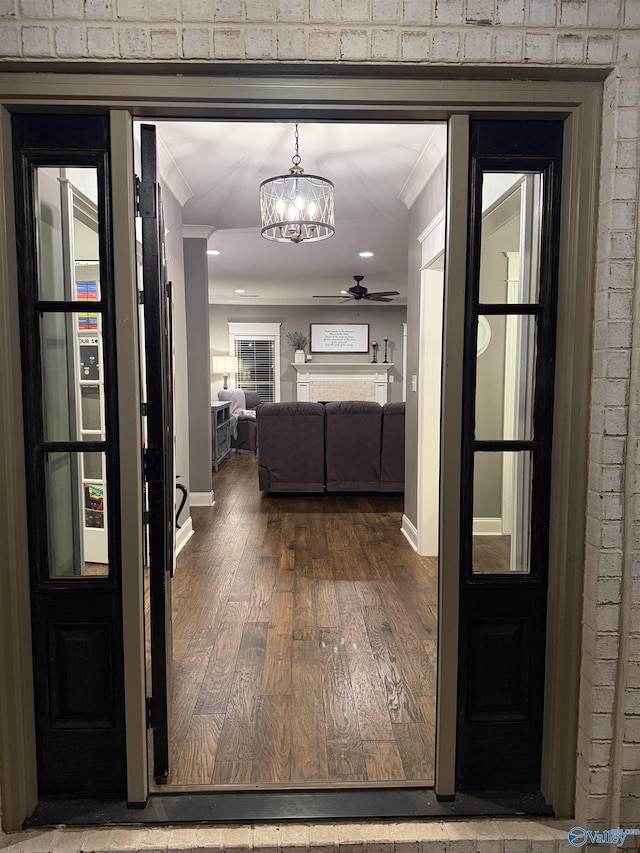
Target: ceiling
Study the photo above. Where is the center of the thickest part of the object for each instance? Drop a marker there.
(377, 169)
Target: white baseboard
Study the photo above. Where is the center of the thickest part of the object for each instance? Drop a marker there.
(183, 535)
(410, 532)
(201, 498)
(487, 526)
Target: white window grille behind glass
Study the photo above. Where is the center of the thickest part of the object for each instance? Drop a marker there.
(256, 367)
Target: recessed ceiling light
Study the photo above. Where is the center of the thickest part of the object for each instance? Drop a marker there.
(241, 291)
(365, 254)
(346, 292)
(212, 252)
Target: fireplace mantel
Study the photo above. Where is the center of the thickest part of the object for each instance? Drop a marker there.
(339, 380)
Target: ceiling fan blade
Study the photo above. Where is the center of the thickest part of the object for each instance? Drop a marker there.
(375, 298)
(337, 296)
(385, 293)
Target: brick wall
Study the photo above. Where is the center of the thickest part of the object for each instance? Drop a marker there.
(464, 32)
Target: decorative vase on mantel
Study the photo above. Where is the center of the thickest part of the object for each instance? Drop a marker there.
(299, 356)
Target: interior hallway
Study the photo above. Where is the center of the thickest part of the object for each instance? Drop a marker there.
(304, 642)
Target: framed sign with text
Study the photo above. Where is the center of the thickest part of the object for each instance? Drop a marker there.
(339, 337)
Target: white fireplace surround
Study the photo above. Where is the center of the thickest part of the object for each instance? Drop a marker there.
(322, 382)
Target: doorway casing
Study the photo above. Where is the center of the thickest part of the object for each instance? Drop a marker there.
(284, 98)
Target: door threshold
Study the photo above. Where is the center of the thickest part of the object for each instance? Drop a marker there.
(191, 788)
(267, 806)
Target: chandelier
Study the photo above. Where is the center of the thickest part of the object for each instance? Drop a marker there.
(296, 207)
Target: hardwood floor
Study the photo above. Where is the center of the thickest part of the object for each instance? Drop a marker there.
(304, 642)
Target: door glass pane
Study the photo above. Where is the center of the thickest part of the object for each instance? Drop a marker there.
(75, 495)
(501, 512)
(505, 377)
(66, 206)
(72, 377)
(511, 229)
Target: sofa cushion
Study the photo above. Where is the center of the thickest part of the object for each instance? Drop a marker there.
(392, 451)
(291, 447)
(353, 436)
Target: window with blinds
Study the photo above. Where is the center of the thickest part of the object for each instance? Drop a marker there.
(256, 367)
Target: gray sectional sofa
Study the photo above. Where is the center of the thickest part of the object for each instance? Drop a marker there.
(350, 446)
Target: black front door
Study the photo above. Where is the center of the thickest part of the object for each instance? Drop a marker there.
(514, 204)
(159, 453)
(63, 204)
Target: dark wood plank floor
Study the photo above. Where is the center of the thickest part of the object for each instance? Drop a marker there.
(304, 642)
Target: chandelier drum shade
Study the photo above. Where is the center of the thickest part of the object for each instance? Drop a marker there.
(297, 207)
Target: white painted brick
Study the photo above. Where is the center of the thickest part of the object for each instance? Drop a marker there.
(384, 44)
(610, 564)
(445, 46)
(619, 333)
(478, 45)
(354, 45)
(415, 47)
(607, 619)
(196, 43)
(510, 13)
(632, 702)
(508, 47)
(631, 14)
(132, 10)
(292, 10)
(570, 48)
(632, 730)
(538, 47)
(259, 43)
(416, 12)
(540, 13)
(631, 784)
(290, 43)
(321, 11)
(386, 11)
(36, 8)
(259, 10)
(573, 13)
(134, 42)
(227, 44)
(8, 8)
(239, 838)
(449, 12)
(227, 11)
(69, 41)
(68, 9)
(629, 93)
(164, 42)
(623, 216)
(626, 154)
(604, 14)
(36, 41)
(626, 123)
(633, 675)
(633, 648)
(618, 364)
(196, 10)
(480, 12)
(600, 49)
(102, 42)
(630, 757)
(10, 44)
(599, 781)
(354, 11)
(608, 592)
(322, 838)
(611, 534)
(628, 49)
(323, 44)
(164, 10)
(615, 393)
(99, 10)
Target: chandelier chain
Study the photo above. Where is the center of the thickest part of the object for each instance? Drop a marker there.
(296, 157)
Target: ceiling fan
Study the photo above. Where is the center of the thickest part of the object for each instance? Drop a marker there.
(359, 291)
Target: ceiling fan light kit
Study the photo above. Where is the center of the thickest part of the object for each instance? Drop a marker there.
(297, 208)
